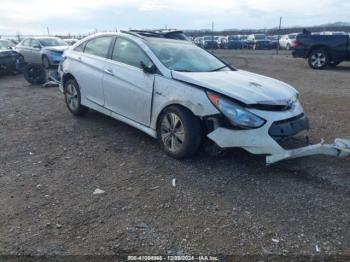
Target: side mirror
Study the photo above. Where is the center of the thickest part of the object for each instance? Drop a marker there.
(150, 69)
(37, 46)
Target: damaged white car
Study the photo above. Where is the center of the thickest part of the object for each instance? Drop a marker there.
(180, 94)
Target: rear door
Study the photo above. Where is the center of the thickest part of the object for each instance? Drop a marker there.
(90, 66)
(35, 49)
(128, 90)
(24, 50)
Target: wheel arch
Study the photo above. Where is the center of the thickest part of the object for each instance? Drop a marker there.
(174, 104)
(46, 56)
(65, 78)
(319, 47)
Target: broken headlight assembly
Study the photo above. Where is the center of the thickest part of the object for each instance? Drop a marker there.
(235, 113)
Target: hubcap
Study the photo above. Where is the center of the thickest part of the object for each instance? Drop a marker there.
(318, 60)
(172, 132)
(72, 97)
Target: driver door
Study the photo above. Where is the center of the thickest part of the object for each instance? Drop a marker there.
(128, 89)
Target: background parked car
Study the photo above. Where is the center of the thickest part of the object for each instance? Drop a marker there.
(288, 41)
(273, 41)
(209, 42)
(42, 50)
(258, 41)
(322, 50)
(9, 59)
(14, 41)
(222, 41)
(7, 43)
(244, 40)
(234, 42)
(71, 41)
(198, 40)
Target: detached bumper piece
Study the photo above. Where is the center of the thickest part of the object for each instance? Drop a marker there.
(340, 148)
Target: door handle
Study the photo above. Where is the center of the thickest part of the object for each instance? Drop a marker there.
(109, 71)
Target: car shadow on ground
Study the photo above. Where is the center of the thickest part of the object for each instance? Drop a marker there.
(340, 68)
(230, 162)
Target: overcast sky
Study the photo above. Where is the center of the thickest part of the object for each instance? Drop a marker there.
(82, 16)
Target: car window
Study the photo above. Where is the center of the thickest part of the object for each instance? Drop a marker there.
(98, 46)
(52, 42)
(129, 53)
(3, 45)
(7, 43)
(80, 48)
(259, 37)
(26, 42)
(184, 56)
(34, 42)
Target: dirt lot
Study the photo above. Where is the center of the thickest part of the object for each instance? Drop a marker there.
(51, 163)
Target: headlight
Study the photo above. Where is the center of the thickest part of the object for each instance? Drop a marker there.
(237, 115)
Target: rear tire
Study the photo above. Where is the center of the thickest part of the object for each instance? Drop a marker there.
(72, 97)
(35, 74)
(318, 59)
(179, 132)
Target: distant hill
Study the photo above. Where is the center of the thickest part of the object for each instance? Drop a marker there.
(336, 24)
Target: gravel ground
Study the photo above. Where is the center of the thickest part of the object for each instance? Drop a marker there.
(52, 162)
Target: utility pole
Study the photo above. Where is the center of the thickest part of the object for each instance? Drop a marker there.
(48, 30)
(279, 35)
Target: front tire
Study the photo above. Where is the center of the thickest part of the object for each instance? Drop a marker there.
(46, 62)
(73, 98)
(318, 59)
(179, 132)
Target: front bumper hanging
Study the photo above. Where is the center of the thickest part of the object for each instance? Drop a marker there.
(340, 148)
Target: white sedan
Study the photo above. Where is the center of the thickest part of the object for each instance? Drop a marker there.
(180, 94)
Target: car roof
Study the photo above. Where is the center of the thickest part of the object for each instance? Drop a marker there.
(136, 37)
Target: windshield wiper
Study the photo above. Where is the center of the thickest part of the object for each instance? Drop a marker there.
(184, 70)
(218, 69)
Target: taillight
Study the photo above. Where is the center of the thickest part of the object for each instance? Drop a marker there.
(296, 43)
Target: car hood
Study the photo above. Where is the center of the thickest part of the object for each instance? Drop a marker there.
(243, 86)
(6, 53)
(56, 48)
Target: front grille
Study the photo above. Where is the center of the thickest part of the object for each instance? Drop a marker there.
(289, 127)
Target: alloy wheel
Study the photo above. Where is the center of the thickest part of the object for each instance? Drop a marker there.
(172, 132)
(318, 60)
(72, 97)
